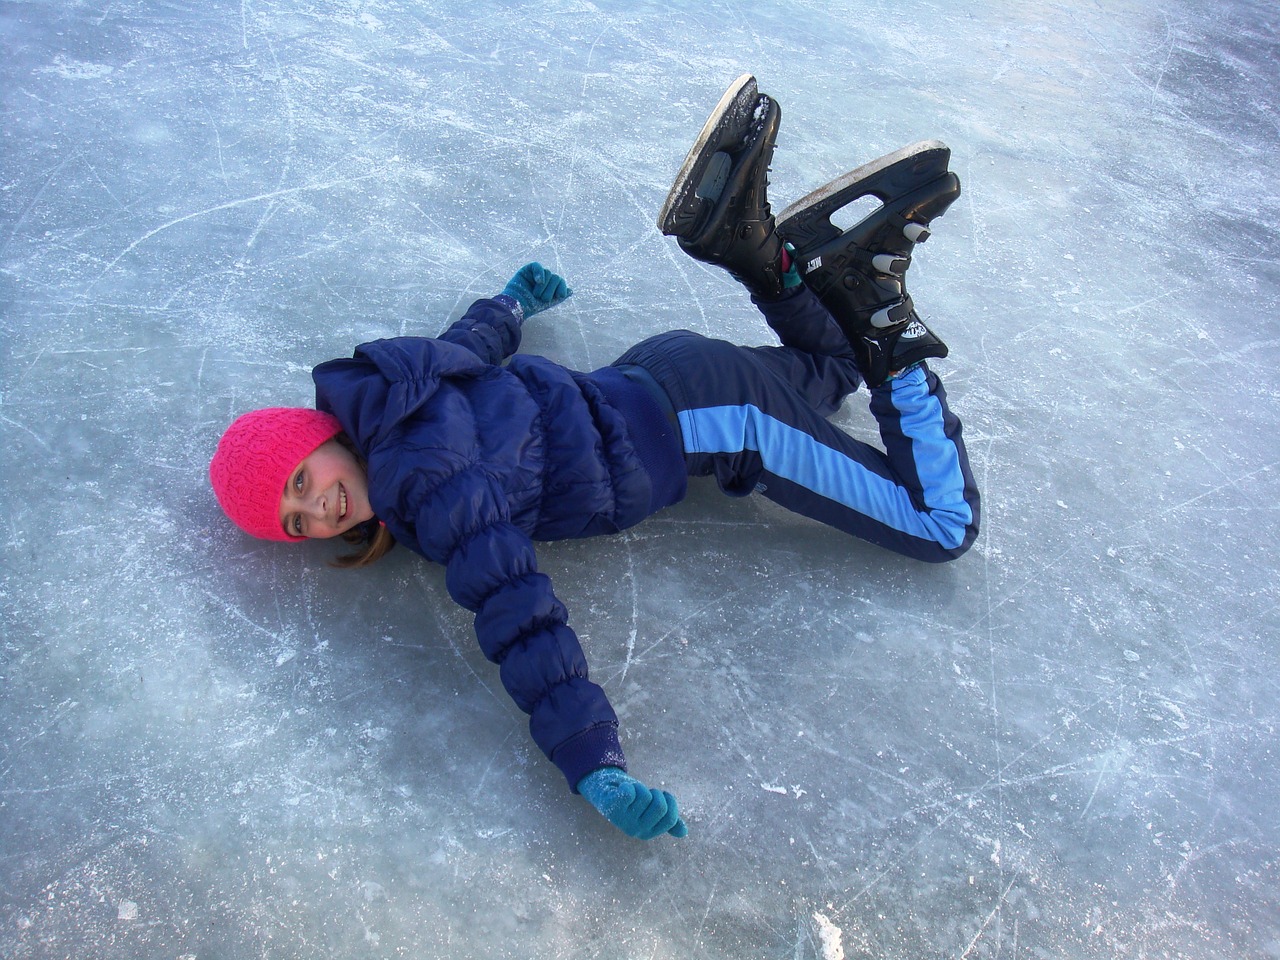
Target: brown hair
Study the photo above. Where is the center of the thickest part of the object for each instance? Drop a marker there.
(375, 540)
(375, 544)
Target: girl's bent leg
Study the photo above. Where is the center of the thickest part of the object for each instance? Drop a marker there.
(917, 497)
(754, 418)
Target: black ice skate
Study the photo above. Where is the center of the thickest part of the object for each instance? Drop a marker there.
(718, 207)
(859, 273)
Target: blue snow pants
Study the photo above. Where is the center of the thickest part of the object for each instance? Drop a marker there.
(755, 418)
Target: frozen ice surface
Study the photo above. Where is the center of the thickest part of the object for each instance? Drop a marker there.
(1062, 745)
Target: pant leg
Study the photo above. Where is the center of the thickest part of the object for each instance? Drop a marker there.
(754, 419)
(802, 322)
(815, 356)
(822, 381)
(924, 442)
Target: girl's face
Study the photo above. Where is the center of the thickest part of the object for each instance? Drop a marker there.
(327, 494)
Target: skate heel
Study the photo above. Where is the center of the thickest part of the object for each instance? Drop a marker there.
(913, 185)
(859, 273)
(706, 167)
(863, 269)
(718, 208)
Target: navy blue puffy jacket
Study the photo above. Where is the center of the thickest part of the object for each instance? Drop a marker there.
(469, 462)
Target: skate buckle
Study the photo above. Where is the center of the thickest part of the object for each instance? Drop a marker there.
(916, 232)
(888, 263)
(891, 315)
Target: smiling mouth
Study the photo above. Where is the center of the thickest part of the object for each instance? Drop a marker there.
(342, 503)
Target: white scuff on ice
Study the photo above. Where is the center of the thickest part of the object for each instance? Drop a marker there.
(831, 937)
(781, 789)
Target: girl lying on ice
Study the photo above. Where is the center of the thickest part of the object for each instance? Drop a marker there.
(468, 453)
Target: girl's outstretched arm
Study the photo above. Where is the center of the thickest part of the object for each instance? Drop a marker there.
(491, 328)
(491, 570)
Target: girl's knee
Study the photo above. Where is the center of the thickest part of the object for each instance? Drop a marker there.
(945, 554)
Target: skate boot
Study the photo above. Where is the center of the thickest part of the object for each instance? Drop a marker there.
(718, 208)
(859, 273)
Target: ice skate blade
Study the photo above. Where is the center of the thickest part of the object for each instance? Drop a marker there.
(807, 222)
(733, 112)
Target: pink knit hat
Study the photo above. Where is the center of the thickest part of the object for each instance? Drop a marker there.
(255, 458)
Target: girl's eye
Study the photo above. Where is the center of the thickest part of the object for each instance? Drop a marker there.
(297, 526)
(297, 481)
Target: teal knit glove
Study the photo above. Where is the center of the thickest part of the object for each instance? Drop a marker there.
(631, 806)
(790, 276)
(535, 288)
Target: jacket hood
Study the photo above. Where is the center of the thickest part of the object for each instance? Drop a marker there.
(387, 381)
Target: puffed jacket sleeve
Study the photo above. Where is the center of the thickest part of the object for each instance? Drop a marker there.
(490, 329)
(491, 570)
